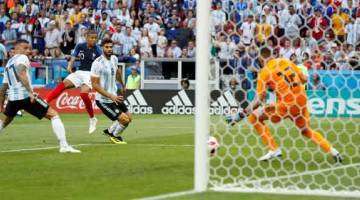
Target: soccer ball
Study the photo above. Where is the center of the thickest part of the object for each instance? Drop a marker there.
(213, 145)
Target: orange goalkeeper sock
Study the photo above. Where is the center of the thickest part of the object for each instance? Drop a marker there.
(266, 137)
(263, 131)
(318, 139)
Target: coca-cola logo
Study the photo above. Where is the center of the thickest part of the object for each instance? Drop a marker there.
(68, 101)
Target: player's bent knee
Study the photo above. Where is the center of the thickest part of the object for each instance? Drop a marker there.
(51, 113)
(124, 119)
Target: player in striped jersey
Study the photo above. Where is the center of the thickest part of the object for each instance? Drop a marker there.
(20, 95)
(104, 73)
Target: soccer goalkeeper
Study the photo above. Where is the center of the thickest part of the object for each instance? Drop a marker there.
(286, 80)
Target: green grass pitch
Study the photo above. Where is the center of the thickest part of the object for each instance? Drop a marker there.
(158, 159)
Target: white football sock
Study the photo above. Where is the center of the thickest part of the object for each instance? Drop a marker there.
(333, 151)
(59, 130)
(119, 129)
(112, 127)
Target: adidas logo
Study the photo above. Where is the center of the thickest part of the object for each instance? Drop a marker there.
(224, 105)
(137, 104)
(179, 104)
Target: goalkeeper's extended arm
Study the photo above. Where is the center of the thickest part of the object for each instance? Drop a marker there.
(243, 113)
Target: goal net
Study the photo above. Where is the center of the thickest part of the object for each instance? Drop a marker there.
(319, 39)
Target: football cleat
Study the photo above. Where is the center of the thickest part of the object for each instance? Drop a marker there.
(271, 154)
(107, 133)
(117, 140)
(68, 149)
(338, 158)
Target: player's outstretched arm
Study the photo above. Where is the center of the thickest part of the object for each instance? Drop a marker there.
(3, 90)
(120, 80)
(22, 70)
(95, 82)
(71, 64)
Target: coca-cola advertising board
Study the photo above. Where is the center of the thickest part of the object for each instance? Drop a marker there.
(69, 101)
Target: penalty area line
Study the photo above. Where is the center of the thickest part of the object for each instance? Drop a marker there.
(89, 144)
(170, 195)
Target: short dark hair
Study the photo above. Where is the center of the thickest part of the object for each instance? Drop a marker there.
(91, 32)
(265, 53)
(21, 41)
(106, 41)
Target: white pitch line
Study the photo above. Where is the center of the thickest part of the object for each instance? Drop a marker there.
(313, 172)
(89, 144)
(170, 195)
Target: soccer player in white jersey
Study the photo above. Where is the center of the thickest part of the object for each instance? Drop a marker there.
(104, 73)
(20, 95)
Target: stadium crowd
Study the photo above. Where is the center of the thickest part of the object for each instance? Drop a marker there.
(320, 34)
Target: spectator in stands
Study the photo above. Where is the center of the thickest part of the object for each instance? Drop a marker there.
(339, 19)
(286, 51)
(52, 41)
(233, 85)
(153, 29)
(133, 80)
(68, 39)
(226, 47)
(218, 19)
(116, 39)
(248, 30)
(25, 29)
(190, 21)
(43, 19)
(161, 44)
(310, 42)
(32, 6)
(96, 26)
(270, 18)
(191, 49)
(124, 16)
(128, 42)
(188, 5)
(38, 34)
(293, 23)
(184, 53)
(102, 33)
(145, 44)
(318, 23)
(263, 30)
(3, 17)
(136, 31)
(9, 36)
(173, 51)
(352, 30)
(185, 84)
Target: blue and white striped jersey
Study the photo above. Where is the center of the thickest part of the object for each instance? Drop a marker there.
(106, 70)
(16, 89)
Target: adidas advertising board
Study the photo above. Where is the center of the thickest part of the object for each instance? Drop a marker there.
(137, 104)
(223, 103)
(175, 102)
(179, 104)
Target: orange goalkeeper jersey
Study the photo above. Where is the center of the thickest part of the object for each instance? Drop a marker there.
(284, 78)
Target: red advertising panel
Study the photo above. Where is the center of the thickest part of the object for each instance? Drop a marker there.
(69, 101)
